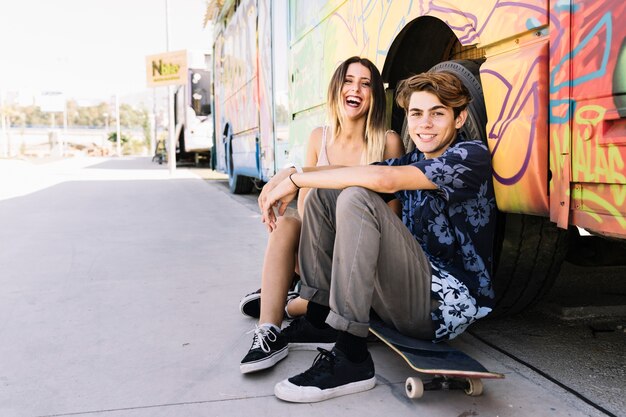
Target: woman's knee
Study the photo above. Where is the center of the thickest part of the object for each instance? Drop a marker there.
(287, 232)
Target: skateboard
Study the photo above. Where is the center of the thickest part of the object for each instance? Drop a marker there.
(443, 367)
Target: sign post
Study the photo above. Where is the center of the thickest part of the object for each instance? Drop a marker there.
(168, 69)
(54, 102)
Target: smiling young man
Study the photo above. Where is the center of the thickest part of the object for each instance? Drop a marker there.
(427, 275)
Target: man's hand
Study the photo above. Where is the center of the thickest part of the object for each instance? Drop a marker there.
(272, 183)
(280, 197)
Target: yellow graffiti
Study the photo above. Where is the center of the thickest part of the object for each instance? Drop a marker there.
(619, 195)
(612, 210)
(582, 118)
(594, 165)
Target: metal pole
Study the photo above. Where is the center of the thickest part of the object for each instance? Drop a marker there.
(64, 136)
(5, 135)
(153, 123)
(117, 116)
(171, 149)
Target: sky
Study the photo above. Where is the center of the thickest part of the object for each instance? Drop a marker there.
(91, 49)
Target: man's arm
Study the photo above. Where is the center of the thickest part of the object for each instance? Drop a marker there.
(379, 178)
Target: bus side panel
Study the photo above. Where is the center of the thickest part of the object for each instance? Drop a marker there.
(280, 82)
(369, 28)
(240, 96)
(219, 92)
(561, 108)
(598, 60)
(245, 154)
(517, 130)
(499, 20)
(243, 95)
(308, 75)
(266, 97)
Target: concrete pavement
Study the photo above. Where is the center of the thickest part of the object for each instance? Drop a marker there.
(119, 297)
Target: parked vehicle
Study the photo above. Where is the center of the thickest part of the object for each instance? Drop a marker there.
(192, 113)
(548, 80)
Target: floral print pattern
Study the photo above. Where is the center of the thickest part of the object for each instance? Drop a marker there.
(458, 309)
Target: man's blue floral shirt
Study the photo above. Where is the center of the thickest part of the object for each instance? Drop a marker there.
(455, 225)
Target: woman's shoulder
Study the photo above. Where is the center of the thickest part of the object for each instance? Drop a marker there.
(314, 146)
(394, 147)
(392, 135)
(318, 131)
(317, 134)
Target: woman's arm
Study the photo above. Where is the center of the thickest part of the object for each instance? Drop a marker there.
(313, 151)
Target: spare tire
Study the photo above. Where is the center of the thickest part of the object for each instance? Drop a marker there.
(476, 124)
(468, 72)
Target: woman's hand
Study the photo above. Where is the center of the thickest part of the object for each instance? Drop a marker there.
(279, 197)
(272, 183)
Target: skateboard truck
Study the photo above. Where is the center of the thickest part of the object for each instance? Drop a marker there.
(415, 387)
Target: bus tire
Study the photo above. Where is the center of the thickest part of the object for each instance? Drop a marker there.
(528, 250)
(237, 184)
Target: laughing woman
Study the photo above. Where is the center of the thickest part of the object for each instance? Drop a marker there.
(356, 135)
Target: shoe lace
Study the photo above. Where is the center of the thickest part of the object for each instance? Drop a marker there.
(260, 336)
(323, 363)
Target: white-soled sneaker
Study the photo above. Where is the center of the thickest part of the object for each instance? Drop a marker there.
(332, 375)
(268, 348)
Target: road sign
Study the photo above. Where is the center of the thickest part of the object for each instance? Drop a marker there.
(168, 68)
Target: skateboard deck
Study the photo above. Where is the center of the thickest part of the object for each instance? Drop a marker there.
(444, 366)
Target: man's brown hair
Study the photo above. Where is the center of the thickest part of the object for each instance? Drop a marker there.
(445, 85)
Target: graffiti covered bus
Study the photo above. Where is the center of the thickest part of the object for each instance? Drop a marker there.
(548, 79)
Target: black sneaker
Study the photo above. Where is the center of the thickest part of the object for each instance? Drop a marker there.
(250, 304)
(331, 375)
(300, 334)
(268, 348)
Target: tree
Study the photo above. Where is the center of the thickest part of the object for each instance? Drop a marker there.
(113, 138)
(98, 116)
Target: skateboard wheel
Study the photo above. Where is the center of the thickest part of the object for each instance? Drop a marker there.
(475, 387)
(414, 388)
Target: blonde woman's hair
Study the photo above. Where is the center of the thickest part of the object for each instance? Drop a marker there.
(375, 131)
